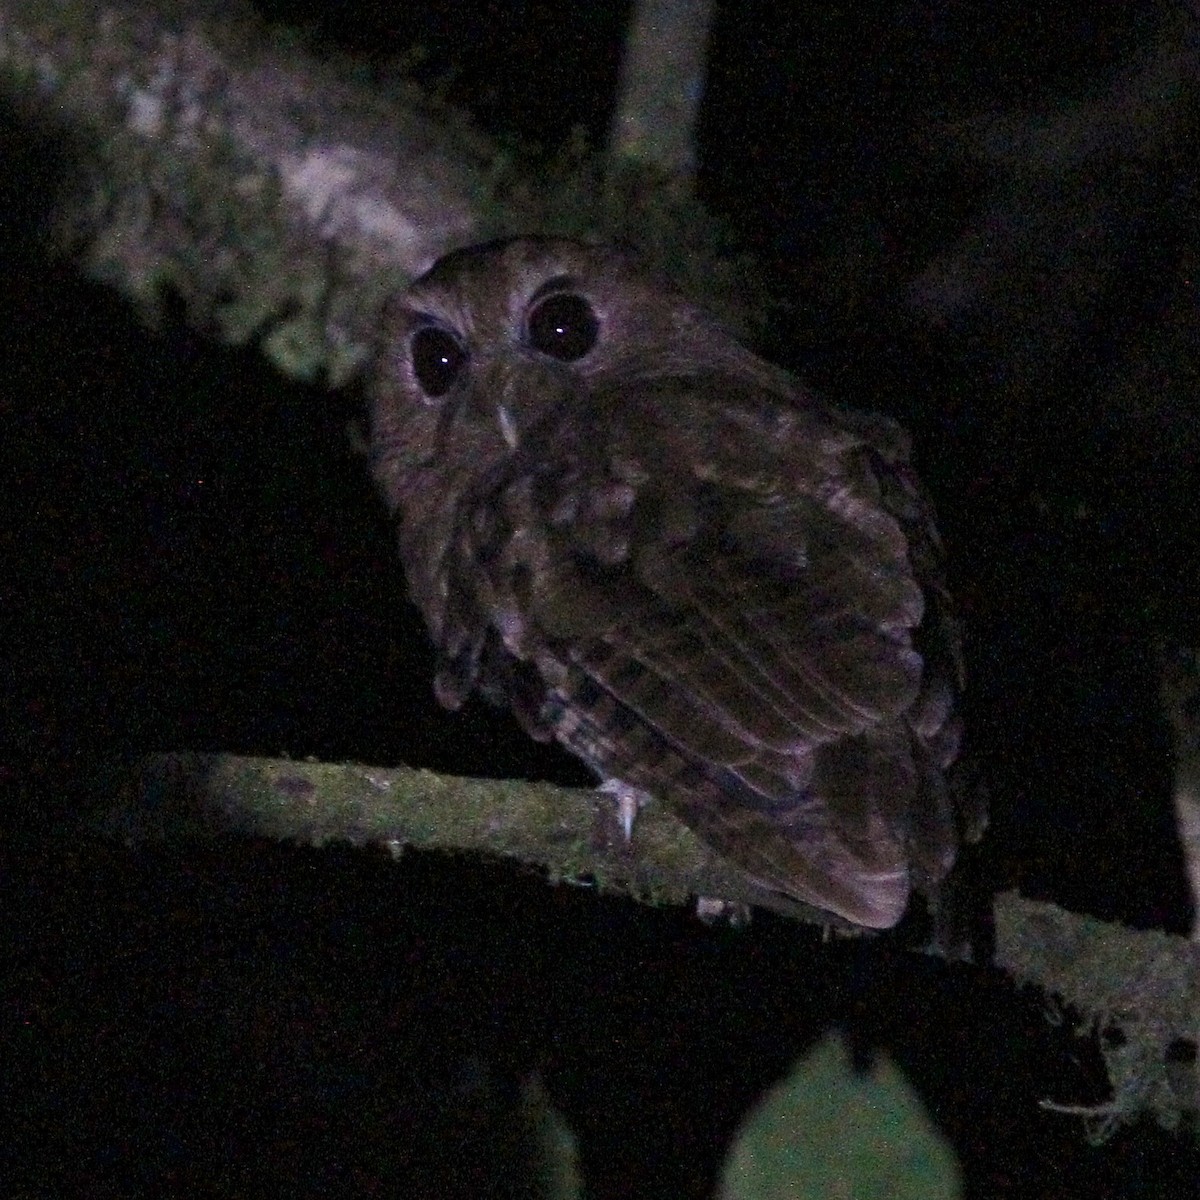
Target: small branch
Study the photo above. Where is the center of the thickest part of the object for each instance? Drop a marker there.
(662, 82)
(1179, 679)
(1067, 192)
(1138, 989)
(572, 834)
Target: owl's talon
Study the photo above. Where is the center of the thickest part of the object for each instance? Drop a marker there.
(629, 803)
(714, 911)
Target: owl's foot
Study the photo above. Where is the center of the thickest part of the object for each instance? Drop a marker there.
(630, 801)
(731, 913)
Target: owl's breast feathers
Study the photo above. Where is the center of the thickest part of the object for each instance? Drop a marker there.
(730, 600)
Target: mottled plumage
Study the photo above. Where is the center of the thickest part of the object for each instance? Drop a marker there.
(670, 556)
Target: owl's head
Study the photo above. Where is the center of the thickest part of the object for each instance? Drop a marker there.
(497, 340)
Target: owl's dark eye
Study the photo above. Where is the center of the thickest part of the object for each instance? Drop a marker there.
(564, 326)
(437, 358)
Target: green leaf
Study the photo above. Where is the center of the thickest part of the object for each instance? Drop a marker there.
(556, 1170)
(830, 1133)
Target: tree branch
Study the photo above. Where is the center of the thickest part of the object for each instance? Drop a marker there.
(279, 200)
(1140, 991)
(662, 81)
(571, 834)
(283, 201)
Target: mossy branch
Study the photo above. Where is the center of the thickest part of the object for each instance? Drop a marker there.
(210, 158)
(1140, 991)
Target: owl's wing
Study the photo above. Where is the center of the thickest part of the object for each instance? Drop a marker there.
(723, 613)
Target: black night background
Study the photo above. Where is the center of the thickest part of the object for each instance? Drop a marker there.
(192, 557)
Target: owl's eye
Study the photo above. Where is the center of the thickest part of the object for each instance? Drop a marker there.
(564, 326)
(437, 358)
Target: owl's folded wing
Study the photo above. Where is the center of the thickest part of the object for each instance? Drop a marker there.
(761, 674)
(751, 593)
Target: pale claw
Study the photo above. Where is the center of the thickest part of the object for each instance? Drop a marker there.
(629, 803)
(712, 911)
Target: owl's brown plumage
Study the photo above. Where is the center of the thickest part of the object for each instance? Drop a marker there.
(670, 556)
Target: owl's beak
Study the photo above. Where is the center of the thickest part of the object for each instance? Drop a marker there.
(519, 392)
(508, 427)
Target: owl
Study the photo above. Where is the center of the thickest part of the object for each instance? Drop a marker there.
(672, 557)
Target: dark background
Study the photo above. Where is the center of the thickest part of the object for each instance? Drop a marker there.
(191, 557)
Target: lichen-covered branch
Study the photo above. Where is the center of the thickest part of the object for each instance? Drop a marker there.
(1139, 990)
(211, 160)
(281, 197)
(571, 834)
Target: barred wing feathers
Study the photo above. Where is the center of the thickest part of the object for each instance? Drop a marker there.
(722, 612)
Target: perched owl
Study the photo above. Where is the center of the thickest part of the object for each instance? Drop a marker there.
(670, 556)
